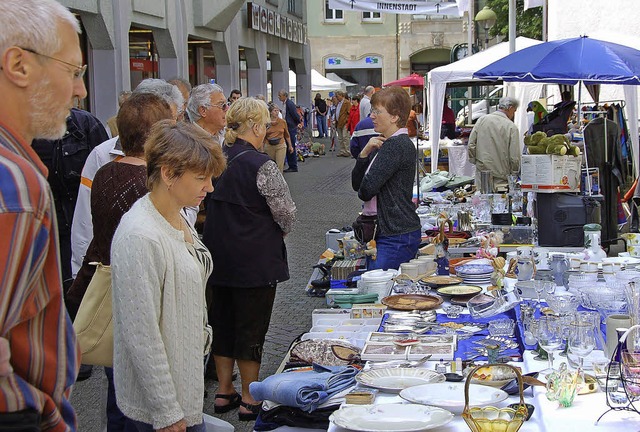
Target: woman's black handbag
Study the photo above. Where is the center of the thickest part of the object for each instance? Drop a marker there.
(365, 228)
(274, 141)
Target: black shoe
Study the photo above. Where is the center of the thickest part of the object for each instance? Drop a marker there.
(84, 373)
(254, 410)
(291, 170)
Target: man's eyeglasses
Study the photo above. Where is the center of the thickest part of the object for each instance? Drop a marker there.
(78, 71)
(222, 105)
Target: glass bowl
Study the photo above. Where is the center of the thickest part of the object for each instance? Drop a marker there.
(501, 327)
(452, 311)
(563, 303)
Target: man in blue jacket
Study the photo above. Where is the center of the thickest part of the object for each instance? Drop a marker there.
(361, 135)
(290, 113)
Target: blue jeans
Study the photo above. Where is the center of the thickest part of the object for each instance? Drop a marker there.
(321, 121)
(292, 158)
(395, 250)
(144, 427)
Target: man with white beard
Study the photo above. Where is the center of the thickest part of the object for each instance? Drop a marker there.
(41, 74)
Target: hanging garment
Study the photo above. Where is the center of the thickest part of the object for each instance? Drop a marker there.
(608, 159)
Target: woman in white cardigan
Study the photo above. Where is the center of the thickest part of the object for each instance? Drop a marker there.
(159, 271)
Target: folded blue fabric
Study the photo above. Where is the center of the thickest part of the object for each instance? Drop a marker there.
(304, 390)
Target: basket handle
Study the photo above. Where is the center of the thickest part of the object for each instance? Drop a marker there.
(624, 337)
(475, 369)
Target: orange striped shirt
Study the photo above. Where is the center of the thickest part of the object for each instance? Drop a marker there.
(33, 318)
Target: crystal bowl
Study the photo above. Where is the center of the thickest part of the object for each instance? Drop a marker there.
(501, 327)
(563, 303)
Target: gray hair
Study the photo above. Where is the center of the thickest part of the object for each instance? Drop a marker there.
(159, 87)
(368, 90)
(34, 24)
(284, 93)
(201, 96)
(508, 102)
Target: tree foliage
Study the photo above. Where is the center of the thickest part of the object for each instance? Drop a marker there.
(528, 23)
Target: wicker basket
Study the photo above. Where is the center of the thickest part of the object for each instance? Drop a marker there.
(492, 419)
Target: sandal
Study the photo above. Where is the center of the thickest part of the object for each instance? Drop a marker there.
(254, 410)
(234, 402)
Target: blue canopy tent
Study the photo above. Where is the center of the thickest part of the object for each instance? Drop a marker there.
(572, 61)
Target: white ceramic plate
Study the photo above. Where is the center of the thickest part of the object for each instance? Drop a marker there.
(396, 379)
(450, 395)
(390, 417)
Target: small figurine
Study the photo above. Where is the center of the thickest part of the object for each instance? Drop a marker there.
(489, 245)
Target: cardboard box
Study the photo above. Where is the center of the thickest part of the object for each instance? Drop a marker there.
(550, 173)
(368, 310)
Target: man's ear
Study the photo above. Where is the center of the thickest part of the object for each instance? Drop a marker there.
(17, 67)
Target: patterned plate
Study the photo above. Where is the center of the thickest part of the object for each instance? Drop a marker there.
(459, 290)
(473, 269)
(441, 280)
(396, 379)
(413, 301)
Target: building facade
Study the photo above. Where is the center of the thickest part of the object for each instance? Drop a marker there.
(241, 45)
(370, 48)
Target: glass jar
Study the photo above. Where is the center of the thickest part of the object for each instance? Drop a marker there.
(558, 265)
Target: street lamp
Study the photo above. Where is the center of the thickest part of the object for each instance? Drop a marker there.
(486, 18)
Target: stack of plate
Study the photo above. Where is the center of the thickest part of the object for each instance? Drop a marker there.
(475, 273)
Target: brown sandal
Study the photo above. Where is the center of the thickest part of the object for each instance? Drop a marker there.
(254, 410)
(234, 402)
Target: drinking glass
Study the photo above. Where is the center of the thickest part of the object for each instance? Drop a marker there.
(539, 287)
(549, 335)
(549, 287)
(582, 340)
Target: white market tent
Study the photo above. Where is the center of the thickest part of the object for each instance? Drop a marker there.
(318, 82)
(462, 72)
(335, 77)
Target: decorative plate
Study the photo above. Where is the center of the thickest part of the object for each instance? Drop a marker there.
(459, 290)
(396, 379)
(412, 301)
(494, 376)
(390, 417)
(450, 395)
(474, 269)
(441, 280)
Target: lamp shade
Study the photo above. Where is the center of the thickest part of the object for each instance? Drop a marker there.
(486, 17)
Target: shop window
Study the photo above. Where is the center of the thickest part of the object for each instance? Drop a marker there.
(294, 7)
(143, 55)
(202, 68)
(332, 15)
(371, 17)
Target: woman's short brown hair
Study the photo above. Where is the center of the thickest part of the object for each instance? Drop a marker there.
(136, 117)
(395, 100)
(181, 147)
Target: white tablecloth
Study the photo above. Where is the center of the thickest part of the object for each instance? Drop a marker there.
(547, 417)
(459, 161)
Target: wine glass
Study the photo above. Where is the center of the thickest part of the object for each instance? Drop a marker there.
(539, 287)
(582, 340)
(549, 287)
(549, 335)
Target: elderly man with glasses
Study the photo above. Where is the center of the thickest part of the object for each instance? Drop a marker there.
(207, 107)
(40, 79)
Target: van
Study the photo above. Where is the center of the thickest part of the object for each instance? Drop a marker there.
(479, 108)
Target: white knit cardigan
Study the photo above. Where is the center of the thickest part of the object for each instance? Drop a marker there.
(158, 310)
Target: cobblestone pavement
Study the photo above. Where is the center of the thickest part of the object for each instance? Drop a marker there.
(324, 198)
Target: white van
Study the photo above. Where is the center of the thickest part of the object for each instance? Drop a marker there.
(479, 108)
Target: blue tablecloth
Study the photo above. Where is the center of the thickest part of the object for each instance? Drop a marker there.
(465, 346)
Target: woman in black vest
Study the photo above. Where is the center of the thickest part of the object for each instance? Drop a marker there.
(249, 213)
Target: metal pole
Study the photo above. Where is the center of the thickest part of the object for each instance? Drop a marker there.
(512, 26)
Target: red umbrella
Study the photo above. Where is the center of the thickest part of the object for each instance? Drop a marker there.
(413, 80)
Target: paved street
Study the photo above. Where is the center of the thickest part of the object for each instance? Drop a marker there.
(324, 198)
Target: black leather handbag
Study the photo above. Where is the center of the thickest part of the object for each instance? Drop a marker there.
(365, 228)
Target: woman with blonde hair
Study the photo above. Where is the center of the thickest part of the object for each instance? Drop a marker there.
(159, 270)
(277, 140)
(251, 212)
